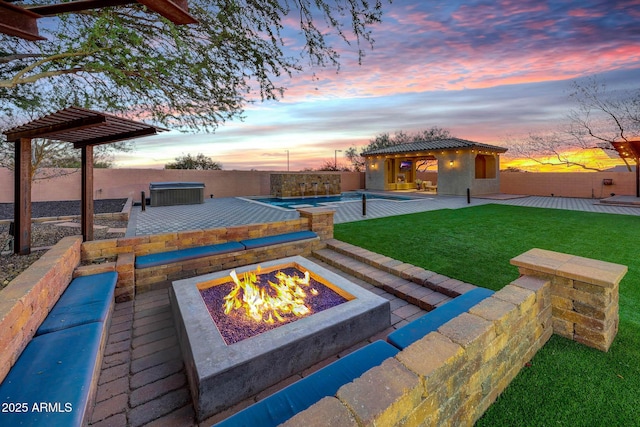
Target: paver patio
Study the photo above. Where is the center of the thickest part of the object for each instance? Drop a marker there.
(236, 211)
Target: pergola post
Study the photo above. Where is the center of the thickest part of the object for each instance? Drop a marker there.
(87, 192)
(637, 176)
(22, 197)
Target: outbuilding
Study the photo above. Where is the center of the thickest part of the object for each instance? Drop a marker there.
(461, 164)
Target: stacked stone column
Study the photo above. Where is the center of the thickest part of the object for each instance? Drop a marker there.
(584, 294)
(320, 221)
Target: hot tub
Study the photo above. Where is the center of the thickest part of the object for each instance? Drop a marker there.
(176, 193)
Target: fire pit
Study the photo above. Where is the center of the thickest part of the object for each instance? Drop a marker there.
(222, 374)
(264, 300)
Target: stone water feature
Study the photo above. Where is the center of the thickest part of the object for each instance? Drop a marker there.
(286, 185)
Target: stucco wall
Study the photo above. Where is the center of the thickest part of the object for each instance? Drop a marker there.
(120, 183)
(375, 174)
(580, 184)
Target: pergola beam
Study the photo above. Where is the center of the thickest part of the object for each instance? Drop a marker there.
(76, 6)
(115, 138)
(44, 132)
(18, 22)
(21, 21)
(175, 11)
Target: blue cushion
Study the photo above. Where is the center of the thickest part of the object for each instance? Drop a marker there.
(55, 369)
(278, 238)
(153, 260)
(297, 397)
(87, 299)
(412, 332)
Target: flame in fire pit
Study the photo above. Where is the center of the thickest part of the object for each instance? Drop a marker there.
(263, 304)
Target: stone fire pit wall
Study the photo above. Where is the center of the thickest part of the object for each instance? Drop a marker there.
(453, 375)
(305, 184)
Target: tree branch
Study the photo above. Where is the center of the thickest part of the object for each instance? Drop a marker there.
(18, 77)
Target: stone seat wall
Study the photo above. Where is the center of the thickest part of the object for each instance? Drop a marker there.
(453, 375)
(121, 252)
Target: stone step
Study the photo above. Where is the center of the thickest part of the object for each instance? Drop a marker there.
(434, 281)
(412, 292)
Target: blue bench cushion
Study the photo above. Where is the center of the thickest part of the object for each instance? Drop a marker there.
(153, 260)
(412, 332)
(87, 299)
(297, 397)
(54, 369)
(278, 238)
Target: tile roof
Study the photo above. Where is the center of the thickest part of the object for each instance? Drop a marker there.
(440, 144)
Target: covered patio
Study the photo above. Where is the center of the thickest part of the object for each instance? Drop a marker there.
(461, 164)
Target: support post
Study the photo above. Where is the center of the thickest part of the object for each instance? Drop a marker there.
(364, 204)
(22, 197)
(87, 193)
(637, 176)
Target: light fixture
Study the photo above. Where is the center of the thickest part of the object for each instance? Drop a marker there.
(451, 163)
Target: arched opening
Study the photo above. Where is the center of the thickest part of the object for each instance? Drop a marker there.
(485, 166)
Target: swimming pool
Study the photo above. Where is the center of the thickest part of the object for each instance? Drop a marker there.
(294, 203)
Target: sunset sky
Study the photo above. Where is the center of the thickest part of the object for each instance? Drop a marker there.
(485, 70)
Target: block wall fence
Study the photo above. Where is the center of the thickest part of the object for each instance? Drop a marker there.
(124, 183)
(561, 184)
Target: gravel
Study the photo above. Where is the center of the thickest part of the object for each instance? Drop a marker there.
(63, 208)
(46, 234)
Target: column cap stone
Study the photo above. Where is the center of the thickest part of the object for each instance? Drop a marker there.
(595, 272)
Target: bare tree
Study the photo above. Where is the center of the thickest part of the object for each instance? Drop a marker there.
(601, 116)
(552, 149)
(355, 159)
(330, 165)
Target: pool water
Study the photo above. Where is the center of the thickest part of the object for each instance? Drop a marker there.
(322, 200)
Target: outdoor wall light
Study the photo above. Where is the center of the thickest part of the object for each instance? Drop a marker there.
(451, 163)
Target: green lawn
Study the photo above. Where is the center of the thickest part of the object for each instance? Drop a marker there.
(567, 383)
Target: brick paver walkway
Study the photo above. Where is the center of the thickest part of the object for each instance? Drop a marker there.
(142, 378)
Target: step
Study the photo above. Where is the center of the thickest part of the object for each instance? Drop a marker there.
(434, 281)
(415, 294)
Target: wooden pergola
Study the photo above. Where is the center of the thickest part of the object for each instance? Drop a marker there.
(85, 129)
(630, 150)
(21, 20)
